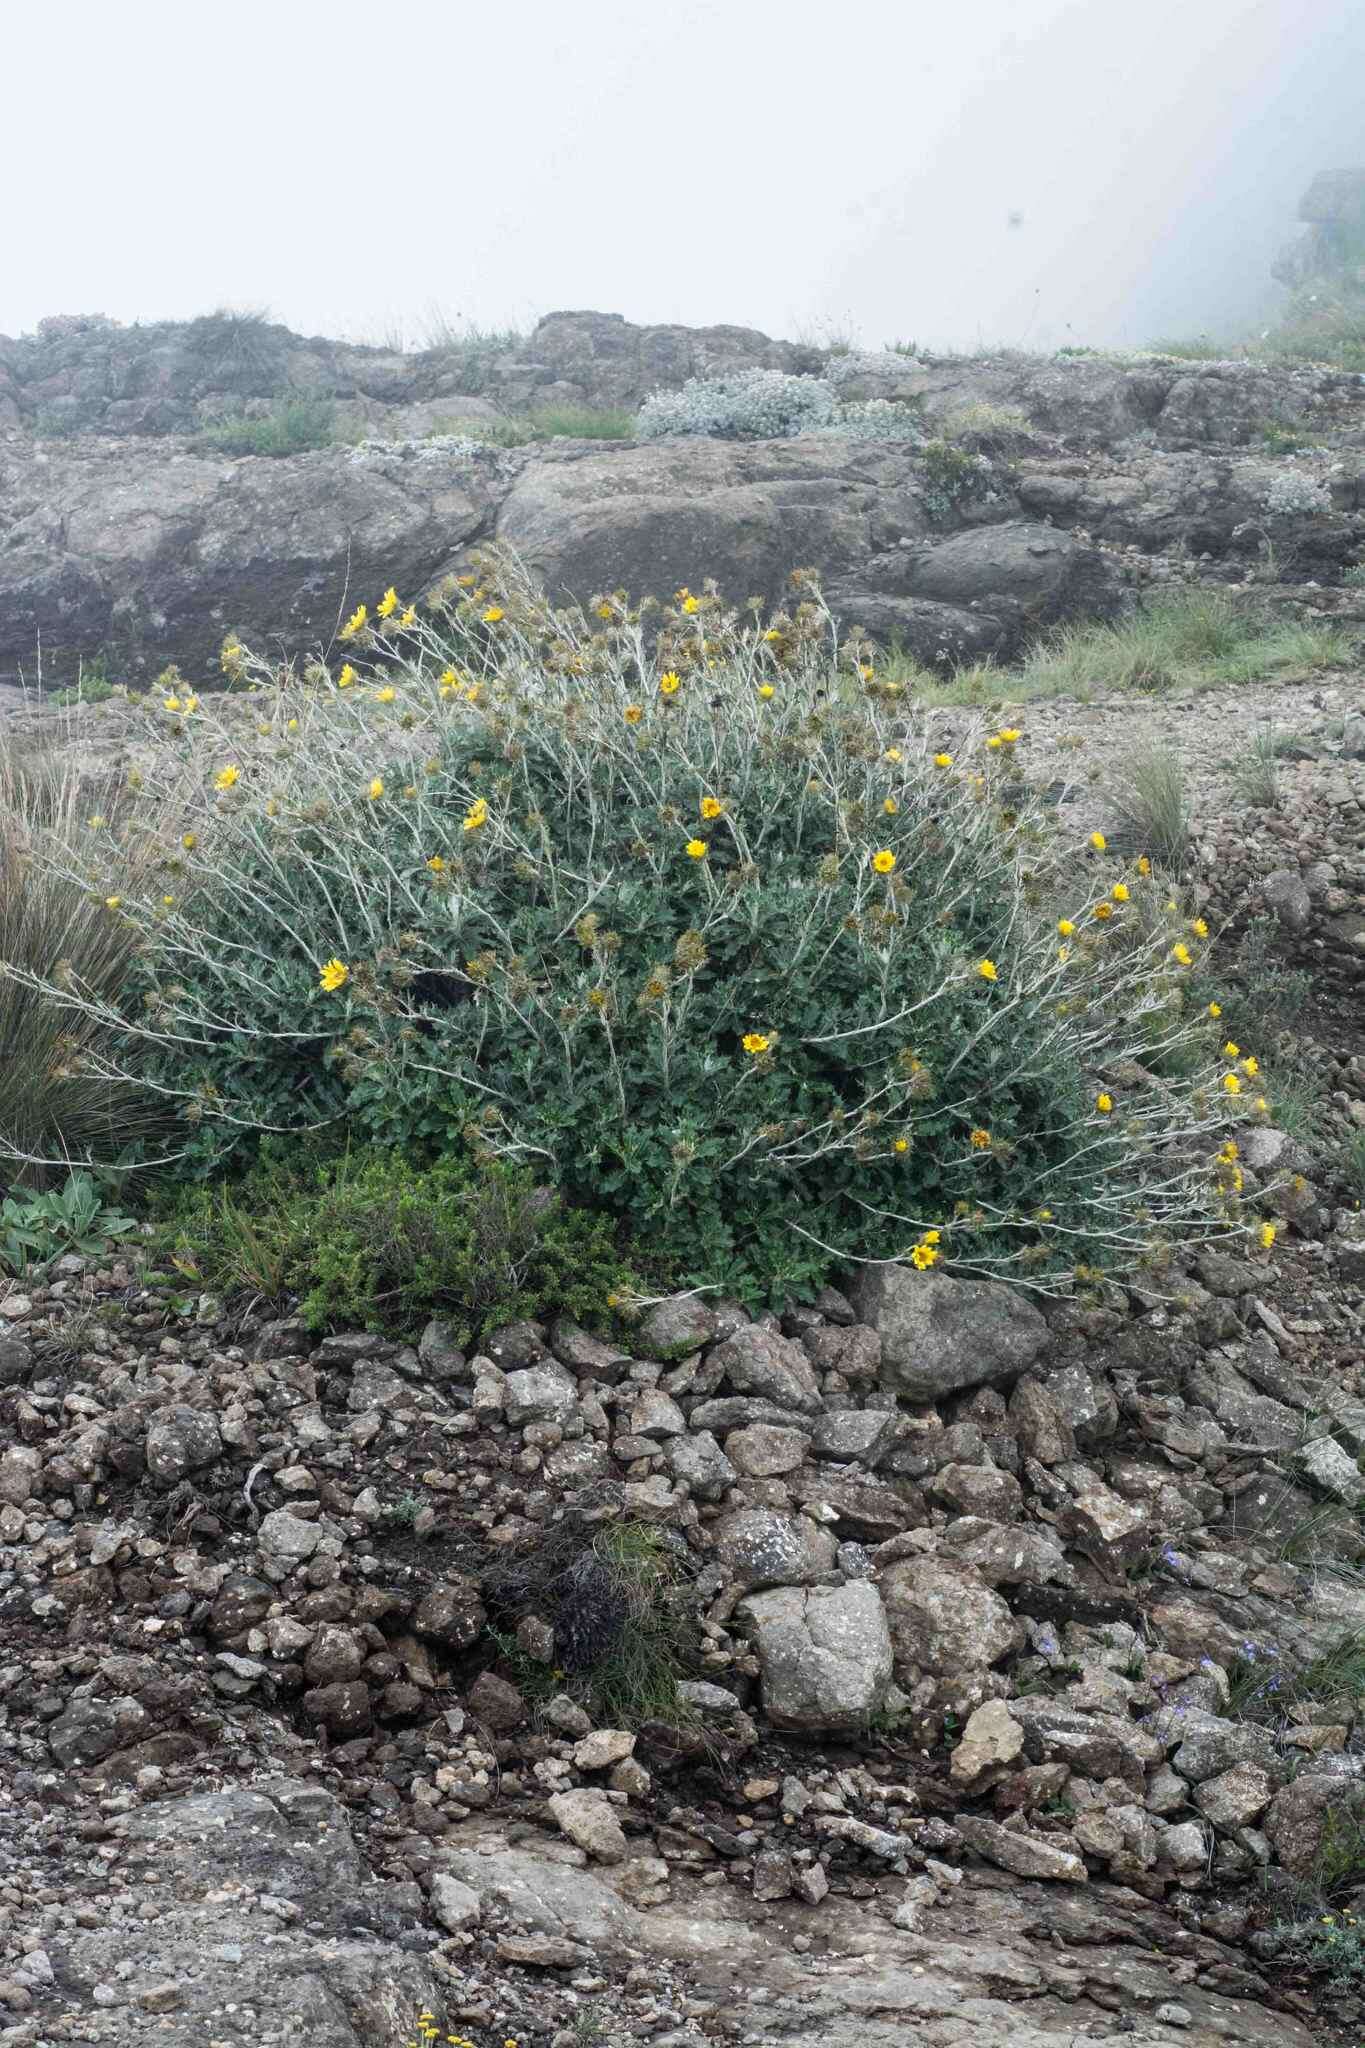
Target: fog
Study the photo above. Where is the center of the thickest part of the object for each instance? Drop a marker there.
(1022, 172)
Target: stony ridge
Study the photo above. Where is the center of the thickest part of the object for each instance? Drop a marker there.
(1036, 1552)
(147, 549)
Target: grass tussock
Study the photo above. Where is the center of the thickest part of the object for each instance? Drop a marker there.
(59, 1106)
(1149, 793)
(620, 1602)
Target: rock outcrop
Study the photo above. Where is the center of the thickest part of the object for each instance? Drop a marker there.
(1063, 486)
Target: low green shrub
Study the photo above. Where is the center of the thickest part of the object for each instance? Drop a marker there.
(1330, 1946)
(1195, 348)
(369, 1240)
(1319, 330)
(684, 915)
(290, 427)
(950, 475)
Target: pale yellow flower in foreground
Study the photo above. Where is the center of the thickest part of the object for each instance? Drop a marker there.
(335, 974)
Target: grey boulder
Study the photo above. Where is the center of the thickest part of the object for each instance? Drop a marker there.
(941, 1334)
(824, 1652)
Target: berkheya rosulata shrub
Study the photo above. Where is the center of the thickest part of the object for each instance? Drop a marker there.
(685, 911)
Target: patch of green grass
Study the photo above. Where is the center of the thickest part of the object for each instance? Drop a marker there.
(1353, 1162)
(1328, 333)
(1180, 640)
(1296, 1098)
(1194, 348)
(291, 427)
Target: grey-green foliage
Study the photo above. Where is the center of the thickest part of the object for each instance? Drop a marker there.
(876, 419)
(747, 405)
(770, 405)
(1290, 494)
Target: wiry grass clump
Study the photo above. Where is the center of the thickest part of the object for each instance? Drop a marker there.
(619, 1601)
(681, 911)
(64, 957)
(1150, 794)
(469, 353)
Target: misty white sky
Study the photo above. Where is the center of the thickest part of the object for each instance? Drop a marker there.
(793, 167)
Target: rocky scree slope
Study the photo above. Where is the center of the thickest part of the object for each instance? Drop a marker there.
(970, 1587)
(1106, 475)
